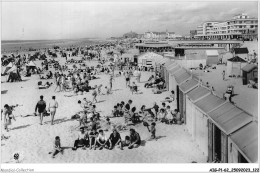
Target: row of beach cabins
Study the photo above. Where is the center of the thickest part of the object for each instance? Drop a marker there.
(220, 129)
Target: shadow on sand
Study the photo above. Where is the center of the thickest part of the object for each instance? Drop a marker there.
(20, 127)
(58, 121)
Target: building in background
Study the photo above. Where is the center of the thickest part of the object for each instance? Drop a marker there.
(159, 35)
(193, 33)
(240, 27)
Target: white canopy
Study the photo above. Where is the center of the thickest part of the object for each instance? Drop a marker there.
(31, 64)
(10, 64)
(13, 69)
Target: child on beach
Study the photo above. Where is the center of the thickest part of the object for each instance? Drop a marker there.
(153, 130)
(99, 89)
(94, 94)
(161, 115)
(57, 147)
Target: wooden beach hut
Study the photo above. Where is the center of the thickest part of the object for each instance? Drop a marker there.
(192, 97)
(249, 72)
(180, 76)
(235, 65)
(223, 121)
(186, 87)
(202, 108)
(243, 144)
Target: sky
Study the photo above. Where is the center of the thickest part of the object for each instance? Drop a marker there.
(68, 20)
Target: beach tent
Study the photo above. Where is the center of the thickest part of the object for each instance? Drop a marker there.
(8, 67)
(235, 65)
(13, 69)
(31, 64)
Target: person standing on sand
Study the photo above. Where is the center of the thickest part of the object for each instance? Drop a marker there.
(58, 82)
(111, 82)
(223, 74)
(94, 94)
(53, 105)
(40, 106)
(8, 116)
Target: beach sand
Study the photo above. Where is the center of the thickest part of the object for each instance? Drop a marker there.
(34, 141)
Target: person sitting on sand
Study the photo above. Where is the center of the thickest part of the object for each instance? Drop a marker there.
(115, 112)
(102, 141)
(83, 139)
(57, 147)
(92, 138)
(171, 98)
(169, 115)
(134, 116)
(161, 115)
(156, 90)
(49, 75)
(126, 142)
(135, 139)
(115, 139)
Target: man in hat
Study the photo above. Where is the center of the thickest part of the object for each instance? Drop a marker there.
(115, 139)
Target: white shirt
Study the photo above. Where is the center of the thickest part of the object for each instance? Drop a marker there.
(81, 135)
(102, 137)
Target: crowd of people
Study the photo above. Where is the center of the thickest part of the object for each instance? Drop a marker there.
(92, 125)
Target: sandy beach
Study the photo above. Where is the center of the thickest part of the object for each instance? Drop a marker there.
(174, 144)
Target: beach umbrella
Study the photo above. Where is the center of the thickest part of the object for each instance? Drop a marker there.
(13, 69)
(31, 64)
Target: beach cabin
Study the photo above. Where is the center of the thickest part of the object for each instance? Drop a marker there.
(243, 144)
(202, 108)
(249, 72)
(184, 88)
(192, 97)
(166, 72)
(160, 63)
(192, 59)
(147, 60)
(171, 70)
(235, 65)
(212, 57)
(241, 52)
(223, 121)
(180, 76)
